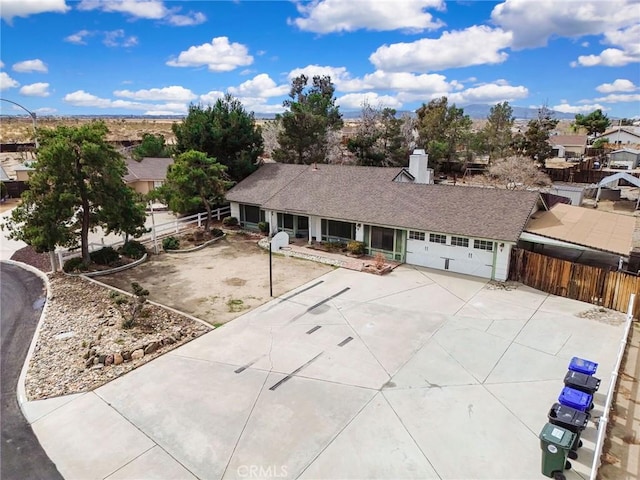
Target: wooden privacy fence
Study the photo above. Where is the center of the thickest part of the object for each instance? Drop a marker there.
(602, 287)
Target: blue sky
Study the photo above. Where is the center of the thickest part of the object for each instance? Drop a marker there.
(152, 57)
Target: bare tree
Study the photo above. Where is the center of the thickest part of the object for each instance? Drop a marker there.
(516, 173)
(270, 131)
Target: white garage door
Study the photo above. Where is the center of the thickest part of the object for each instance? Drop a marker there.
(470, 261)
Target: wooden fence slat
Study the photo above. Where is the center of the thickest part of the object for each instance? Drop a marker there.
(589, 284)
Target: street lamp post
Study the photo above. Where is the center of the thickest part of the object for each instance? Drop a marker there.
(33, 118)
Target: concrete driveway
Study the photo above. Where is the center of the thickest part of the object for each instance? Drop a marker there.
(417, 374)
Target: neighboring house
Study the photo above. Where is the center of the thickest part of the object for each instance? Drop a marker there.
(23, 172)
(462, 229)
(147, 174)
(568, 146)
(3, 175)
(574, 193)
(622, 135)
(625, 159)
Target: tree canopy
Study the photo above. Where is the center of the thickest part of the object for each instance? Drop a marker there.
(535, 141)
(151, 146)
(596, 122)
(312, 115)
(380, 139)
(441, 129)
(194, 179)
(497, 131)
(224, 131)
(77, 185)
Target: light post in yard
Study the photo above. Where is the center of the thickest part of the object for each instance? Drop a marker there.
(33, 116)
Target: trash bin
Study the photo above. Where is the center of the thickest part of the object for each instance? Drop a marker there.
(581, 381)
(576, 399)
(573, 420)
(555, 443)
(583, 366)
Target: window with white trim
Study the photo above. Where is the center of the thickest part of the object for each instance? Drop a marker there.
(413, 235)
(483, 245)
(459, 241)
(437, 238)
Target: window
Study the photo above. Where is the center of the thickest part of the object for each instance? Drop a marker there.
(459, 241)
(334, 229)
(483, 245)
(382, 238)
(416, 235)
(303, 223)
(250, 214)
(285, 221)
(437, 238)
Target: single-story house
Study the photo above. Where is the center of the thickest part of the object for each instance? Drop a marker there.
(147, 174)
(468, 230)
(625, 159)
(622, 135)
(568, 146)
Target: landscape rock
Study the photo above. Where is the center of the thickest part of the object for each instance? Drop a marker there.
(152, 347)
(137, 354)
(117, 359)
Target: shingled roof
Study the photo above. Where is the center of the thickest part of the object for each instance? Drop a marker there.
(369, 195)
(148, 169)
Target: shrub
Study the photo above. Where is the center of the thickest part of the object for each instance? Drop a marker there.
(263, 227)
(104, 256)
(230, 221)
(133, 249)
(355, 248)
(216, 232)
(170, 243)
(75, 264)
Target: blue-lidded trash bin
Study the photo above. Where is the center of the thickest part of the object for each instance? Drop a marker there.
(583, 366)
(576, 399)
(581, 381)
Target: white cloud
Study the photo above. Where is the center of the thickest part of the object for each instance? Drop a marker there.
(211, 97)
(628, 52)
(173, 93)
(29, 66)
(117, 38)
(7, 82)
(261, 86)
(24, 8)
(146, 9)
(533, 22)
(45, 111)
(495, 92)
(326, 16)
(476, 45)
(567, 108)
(619, 98)
(39, 89)
(405, 82)
(337, 74)
(79, 37)
(353, 101)
(260, 105)
(80, 98)
(218, 56)
(618, 85)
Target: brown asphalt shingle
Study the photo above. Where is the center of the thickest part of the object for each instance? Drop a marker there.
(148, 169)
(369, 195)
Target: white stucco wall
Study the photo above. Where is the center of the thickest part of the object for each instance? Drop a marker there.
(315, 228)
(235, 209)
(360, 232)
(271, 217)
(502, 262)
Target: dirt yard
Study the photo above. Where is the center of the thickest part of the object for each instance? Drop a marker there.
(220, 282)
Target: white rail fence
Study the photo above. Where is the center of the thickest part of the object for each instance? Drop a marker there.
(604, 419)
(153, 234)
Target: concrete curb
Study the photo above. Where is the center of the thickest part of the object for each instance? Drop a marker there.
(21, 391)
(195, 249)
(264, 244)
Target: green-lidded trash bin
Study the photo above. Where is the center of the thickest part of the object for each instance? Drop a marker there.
(555, 443)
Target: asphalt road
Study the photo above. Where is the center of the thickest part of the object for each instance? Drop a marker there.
(22, 298)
